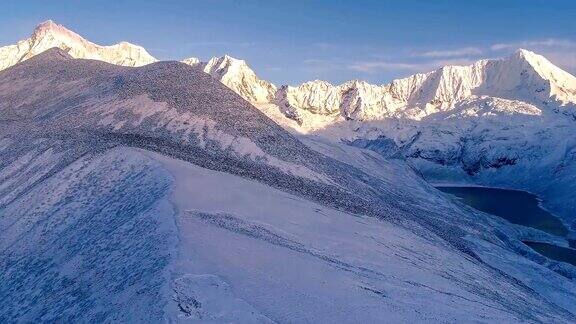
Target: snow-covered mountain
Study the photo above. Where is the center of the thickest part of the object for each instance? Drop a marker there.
(136, 195)
(503, 122)
(238, 76)
(523, 76)
(506, 122)
(49, 34)
(234, 73)
(498, 121)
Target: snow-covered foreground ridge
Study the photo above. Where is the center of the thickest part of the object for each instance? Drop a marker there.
(157, 194)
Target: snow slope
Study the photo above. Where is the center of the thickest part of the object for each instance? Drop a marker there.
(187, 203)
(495, 122)
(156, 193)
(305, 262)
(202, 245)
(86, 241)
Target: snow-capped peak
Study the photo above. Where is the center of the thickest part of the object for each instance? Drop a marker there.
(193, 61)
(558, 83)
(50, 34)
(238, 76)
(49, 26)
(52, 29)
(218, 66)
(530, 57)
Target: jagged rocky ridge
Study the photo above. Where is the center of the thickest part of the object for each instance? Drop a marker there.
(523, 76)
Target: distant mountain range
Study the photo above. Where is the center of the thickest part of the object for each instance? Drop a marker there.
(523, 76)
(518, 111)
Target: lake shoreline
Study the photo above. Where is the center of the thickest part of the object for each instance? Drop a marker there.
(518, 207)
(554, 252)
(570, 237)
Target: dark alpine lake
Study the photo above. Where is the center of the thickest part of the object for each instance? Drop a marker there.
(555, 252)
(518, 207)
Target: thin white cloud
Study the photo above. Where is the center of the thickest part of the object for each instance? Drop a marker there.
(419, 67)
(325, 46)
(274, 68)
(320, 65)
(561, 52)
(550, 42)
(315, 61)
(458, 52)
(376, 66)
(220, 43)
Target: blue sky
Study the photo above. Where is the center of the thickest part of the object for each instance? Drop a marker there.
(289, 42)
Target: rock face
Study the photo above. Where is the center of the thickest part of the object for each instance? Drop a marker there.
(49, 34)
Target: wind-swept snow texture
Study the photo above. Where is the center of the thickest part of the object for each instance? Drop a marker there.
(306, 262)
(156, 193)
(89, 242)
